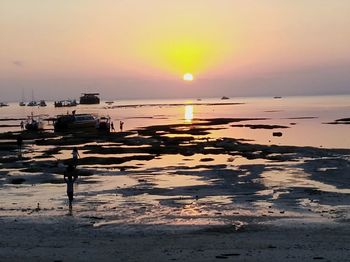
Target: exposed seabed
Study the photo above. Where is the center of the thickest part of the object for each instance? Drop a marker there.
(173, 192)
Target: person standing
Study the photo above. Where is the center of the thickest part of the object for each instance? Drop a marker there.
(70, 179)
(22, 125)
(19, 144)
(75, 156)
(112, 127)
(121, 125)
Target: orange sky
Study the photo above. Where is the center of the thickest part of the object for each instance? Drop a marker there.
(221, 42)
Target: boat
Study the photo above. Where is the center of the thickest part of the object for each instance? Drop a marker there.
(66, 103)
(104, 124)
(75, 121)
(224, 98)
(34, 123)
(42, 103)
(32, 103)
(3, 104)
(89, 98)
(22, 101)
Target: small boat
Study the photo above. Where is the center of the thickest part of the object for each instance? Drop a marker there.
(42, 103)
(3, 104)
(32, 103)
(277, 97)
(66, 103)
(109, 102)
(34, 123)
(224, 98)
(75, 121)
(89, 98)
(22, 101)
(104, 124)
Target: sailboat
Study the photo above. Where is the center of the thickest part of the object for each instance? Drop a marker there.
(22, 101)
(32, 103)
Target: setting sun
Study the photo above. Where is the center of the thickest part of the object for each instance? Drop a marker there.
(188, 77)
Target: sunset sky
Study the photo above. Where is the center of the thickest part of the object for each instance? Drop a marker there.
(142, 48)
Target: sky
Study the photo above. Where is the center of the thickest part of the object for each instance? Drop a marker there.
(128, 49)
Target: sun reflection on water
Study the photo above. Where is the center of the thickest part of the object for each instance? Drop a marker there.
(188, 113)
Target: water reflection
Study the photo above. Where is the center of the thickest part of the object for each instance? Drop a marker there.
(188, 113)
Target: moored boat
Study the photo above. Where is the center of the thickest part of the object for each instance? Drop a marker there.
(89, 98)
(32, 103)
(75, 121)
(34, 123)
(104, 124)
(42, 103)
(66, 103)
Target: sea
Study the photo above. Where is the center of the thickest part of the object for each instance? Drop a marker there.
(309, 120)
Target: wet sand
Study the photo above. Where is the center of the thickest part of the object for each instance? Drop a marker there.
(68, 239)
(173, 192)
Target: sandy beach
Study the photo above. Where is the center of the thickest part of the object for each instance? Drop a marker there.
(174, 192)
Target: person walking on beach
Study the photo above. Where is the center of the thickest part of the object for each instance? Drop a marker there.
(70, 178)
(22, 125)
(75, 155)
(112, 127)
(121, 124)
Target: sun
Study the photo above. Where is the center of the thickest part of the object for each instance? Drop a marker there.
(188, 77)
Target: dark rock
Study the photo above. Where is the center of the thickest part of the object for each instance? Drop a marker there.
(208, 159)
(277, 134)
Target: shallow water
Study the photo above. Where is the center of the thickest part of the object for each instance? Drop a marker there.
(287, 111)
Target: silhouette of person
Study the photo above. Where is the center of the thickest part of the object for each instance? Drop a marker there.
(121, 124)
(75, 155)
(112, 126)
(70, 178)
(22, 125)
(19, 143)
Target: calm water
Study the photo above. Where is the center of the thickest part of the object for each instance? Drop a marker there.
(305, 132)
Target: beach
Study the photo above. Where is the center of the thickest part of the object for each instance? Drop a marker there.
(250, 180)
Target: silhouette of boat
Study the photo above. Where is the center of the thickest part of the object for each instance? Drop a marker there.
(75, 121)
(104, 124)
(3, 104)
(32, 103)
(42, 103)
(89, 98)
(22, 101)
(34, 123)
(66, 103)
(224, 98)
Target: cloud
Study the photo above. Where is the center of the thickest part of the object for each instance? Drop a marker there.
(17, 63)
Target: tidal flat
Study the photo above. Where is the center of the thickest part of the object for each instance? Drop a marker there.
(173, 192)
